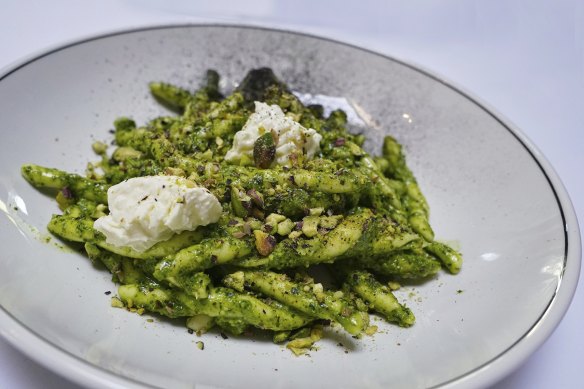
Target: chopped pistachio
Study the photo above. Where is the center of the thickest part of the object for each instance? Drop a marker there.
(310, 226)
(294, 234)
(64, 198)
(124, 153)
(300, 343)
(304, 339)
(200, 323)
(256, 197)
(316, 211)
(275, 218)
(174, 171)
(371, 330)
(117, 303)
(255, 224)
(264, 243)
(285, 227)
(99, 147)
(240, 202)
(318, 291)
(297, 351)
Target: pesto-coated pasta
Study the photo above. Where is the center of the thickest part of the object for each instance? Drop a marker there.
(360, 218)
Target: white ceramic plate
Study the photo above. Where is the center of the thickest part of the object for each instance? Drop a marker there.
(490, 191)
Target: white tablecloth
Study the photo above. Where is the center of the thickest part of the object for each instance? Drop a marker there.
(524, 58)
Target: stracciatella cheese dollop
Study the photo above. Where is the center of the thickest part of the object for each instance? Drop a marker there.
(148, 210)
(292, 137)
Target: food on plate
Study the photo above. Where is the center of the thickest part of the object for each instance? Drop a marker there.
(251, 210)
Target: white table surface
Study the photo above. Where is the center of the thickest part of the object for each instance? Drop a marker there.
(524, 58)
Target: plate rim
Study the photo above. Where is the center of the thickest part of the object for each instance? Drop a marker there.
(82, 372)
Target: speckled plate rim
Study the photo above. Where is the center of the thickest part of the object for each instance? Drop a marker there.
(62, 362)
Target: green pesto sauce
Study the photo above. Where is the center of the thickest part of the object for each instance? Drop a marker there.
(362, 216)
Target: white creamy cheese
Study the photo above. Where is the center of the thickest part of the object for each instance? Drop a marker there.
(148, 210)
(292, 137)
